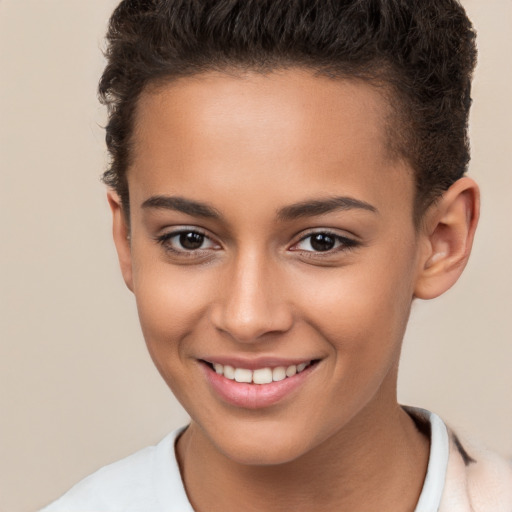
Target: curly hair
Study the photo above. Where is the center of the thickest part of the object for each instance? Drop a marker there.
(423, 52)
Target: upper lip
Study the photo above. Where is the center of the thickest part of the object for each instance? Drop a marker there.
(256, 362)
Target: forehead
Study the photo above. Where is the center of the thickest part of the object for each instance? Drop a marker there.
(290, 104)
(288, 128)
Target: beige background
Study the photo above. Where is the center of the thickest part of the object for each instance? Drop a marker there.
(77, 387)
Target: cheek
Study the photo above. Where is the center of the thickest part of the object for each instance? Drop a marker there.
(171, 305)
(171, 302)
(362, 309)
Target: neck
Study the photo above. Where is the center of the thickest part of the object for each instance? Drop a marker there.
(371, 464)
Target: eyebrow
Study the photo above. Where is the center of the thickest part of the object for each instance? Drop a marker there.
(180, 204)
(316, 207)
(310, 208)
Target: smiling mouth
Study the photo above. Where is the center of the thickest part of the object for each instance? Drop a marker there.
(260, 376)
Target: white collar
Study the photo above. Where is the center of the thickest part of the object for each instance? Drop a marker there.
(433, 486)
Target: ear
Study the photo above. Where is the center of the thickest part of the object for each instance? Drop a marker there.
(448, 230)
(121, 233)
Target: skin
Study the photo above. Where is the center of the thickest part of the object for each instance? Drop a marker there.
(248, 147)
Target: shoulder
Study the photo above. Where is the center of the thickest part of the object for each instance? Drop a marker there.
(146, 480)
(477, 475)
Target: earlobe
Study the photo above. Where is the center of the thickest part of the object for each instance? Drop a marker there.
(448, 232)
(121, 234)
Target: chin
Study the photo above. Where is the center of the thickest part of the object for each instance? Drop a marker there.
(257, 455)
(263, 446)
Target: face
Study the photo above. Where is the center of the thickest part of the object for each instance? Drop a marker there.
(272, 255)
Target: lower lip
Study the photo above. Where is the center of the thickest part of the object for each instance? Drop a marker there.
(254, 396)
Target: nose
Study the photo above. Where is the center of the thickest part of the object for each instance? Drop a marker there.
(252, 301)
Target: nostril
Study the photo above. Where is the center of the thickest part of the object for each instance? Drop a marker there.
(252, 326)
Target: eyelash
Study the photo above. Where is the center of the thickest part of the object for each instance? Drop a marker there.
(165, 241)
(343, 243)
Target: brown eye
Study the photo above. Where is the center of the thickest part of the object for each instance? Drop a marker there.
(322, 242)
(191, 240)
(186, 242)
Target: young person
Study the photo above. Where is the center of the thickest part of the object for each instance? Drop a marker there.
(287, 176)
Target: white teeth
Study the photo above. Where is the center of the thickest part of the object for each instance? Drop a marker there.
(229, 372)
(279, 373)
(261, 375)
(301, 366)
(242, 375)
(291, 370)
